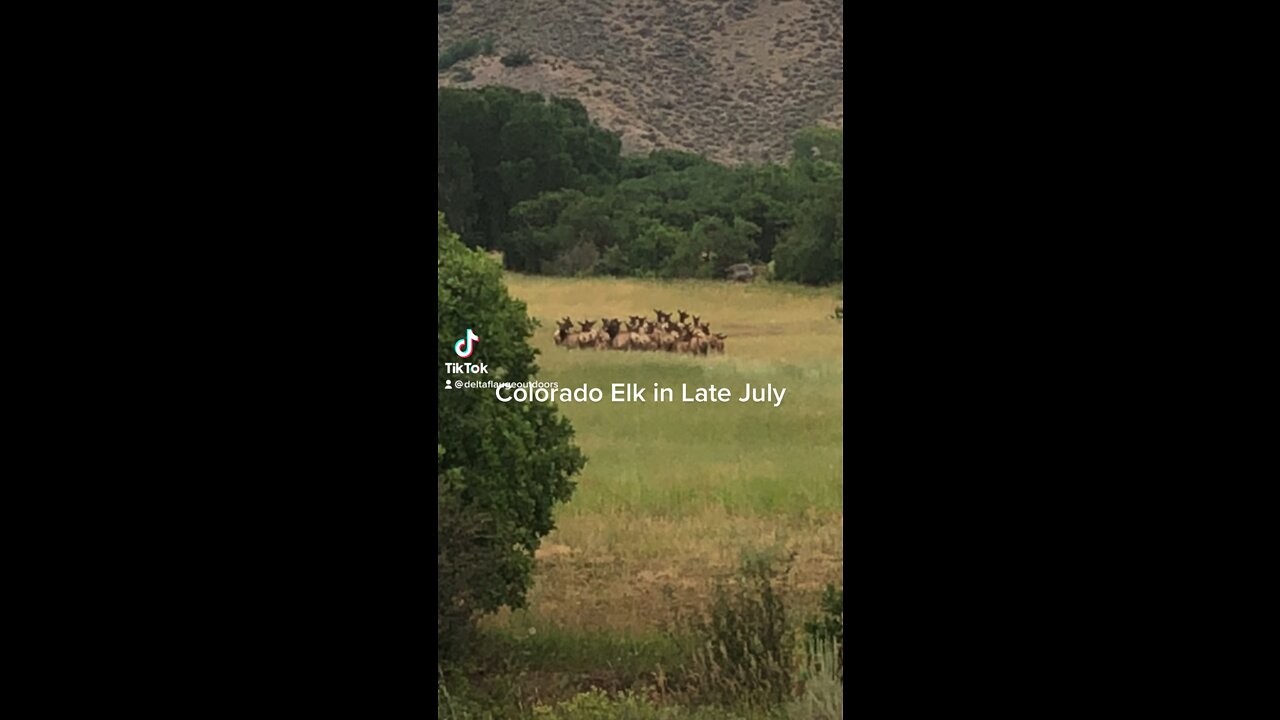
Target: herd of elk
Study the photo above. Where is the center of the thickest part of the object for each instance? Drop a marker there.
(640, 333)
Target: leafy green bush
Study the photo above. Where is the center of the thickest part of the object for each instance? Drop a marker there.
(443, 6)
(501, 467)
(517, 58)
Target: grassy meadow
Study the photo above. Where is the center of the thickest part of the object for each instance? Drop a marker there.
(673, 493)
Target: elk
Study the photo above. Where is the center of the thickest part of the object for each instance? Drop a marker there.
(637, 333)
(565, 327)
(621, 339)
(669, 336)
(608, 328)
(682, 345)
(698, 344)
(647, 338)
(585, 337)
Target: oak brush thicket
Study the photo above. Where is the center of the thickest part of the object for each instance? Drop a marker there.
(537, 180)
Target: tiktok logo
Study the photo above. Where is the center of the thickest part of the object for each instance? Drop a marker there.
(468, 341)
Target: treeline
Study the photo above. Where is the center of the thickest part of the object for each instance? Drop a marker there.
(536, 179)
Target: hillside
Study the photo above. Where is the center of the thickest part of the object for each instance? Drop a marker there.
(730, 79)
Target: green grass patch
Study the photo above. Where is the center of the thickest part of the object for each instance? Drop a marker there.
(675, 458)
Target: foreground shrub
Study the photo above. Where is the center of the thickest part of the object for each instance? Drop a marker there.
(828, 629)
(746, 645)
(823, 696)
(501, 467)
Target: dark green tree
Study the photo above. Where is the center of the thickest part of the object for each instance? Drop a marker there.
(517, 145)
(812, 250)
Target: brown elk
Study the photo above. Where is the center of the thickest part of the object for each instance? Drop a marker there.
(647, 338)
(669, 335)
(585, 337)
(683, 344)
(637, 333)
(565, 328)
(621, 338)
(698, 343)
(608, 328)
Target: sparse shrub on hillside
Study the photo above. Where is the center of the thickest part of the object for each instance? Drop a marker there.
(463, 74)
(458, 52)
(465, 50)
(517, 58)
(443, 6)
(678, 51)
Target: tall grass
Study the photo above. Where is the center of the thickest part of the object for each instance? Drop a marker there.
(745, 641)
(823, 694)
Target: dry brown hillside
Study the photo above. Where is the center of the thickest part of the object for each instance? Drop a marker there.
(731, 79)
